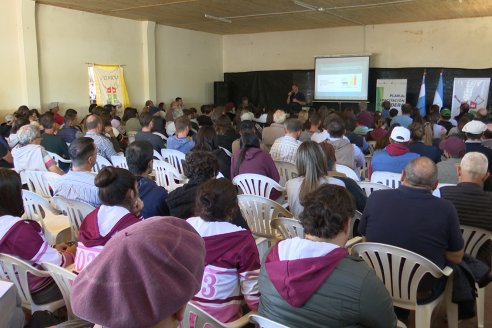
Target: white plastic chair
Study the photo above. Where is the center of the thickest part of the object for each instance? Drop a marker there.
(166, 175)
(41, 182)
(15, 270)
(354, 223)
(56, 227)
(259, 212)
(289, 228)
(174, 157)
(158, 156)
(194, 317)
(401, 272)
(389, 179)
(369, 187)
(286, 171)
(76, 212)
(64, 280)
(58, 158)
(227, 151)
(474, 239)
(119, 161)
(372, 146)
(163, 137)
(263, 322)
(100, 163)
(256, 184)
(350, 173)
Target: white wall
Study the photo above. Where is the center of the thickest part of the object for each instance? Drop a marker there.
(187, 64)
(69, 39)
(459, 43)
(10, 83)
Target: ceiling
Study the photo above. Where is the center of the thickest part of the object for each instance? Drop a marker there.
(255, 16)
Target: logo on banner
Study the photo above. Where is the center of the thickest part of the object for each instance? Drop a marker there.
(393, 90)
(110, 85)
(474, 91)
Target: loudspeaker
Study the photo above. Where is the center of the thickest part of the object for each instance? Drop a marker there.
(222, 93)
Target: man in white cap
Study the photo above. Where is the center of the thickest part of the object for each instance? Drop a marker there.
(474, 131)
(396, 155)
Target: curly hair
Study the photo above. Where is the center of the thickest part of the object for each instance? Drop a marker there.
(200, 166)
(216, 200)
(326, 211)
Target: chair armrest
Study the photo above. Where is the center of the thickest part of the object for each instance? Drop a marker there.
(447, 271)
(241, 322)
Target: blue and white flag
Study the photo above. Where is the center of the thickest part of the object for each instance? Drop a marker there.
(438, 96)
(421, 100)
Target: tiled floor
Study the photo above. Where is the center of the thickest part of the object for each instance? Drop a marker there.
(439, 318)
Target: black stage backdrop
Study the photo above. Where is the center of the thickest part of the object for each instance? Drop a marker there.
(270, 88)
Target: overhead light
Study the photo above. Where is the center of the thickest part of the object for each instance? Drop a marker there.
(221, 19)
(308, 6)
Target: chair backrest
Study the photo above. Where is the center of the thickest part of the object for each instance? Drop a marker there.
(263, 322)
(174, 157)
(100, 163)
(400, 270)
(286, 170)
(369, 187)
(354, 224)
(389, 179)
(58, 158)
(226, 151)
(15, 270)
(194, 317)
(166, 175)
(157, 155)
(289, 228)
(36, 207)
(256, 184)
(372, 146)
(76, 212)
(119, 161)
(64, 280)
(41, 182)
(350, 173)
(259, 212)
(163, 137)
(474, 238)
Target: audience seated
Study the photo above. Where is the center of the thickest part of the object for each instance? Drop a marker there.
(225, 133)
(474, 205)
(395, 156)
(54, 108)
(474, 131)
(130, 119)
(144, 277)
(410, 217)
(18, 122)
(379, 128)
(248, 126)
(29, 154)
(78, 183)
(232, 260)
(206, 140)
(6, 159)
(342, 290)
(453, 149)
(285, 148)
(120, 208)
(275, 130)
(314, 122)
(25, 239)
(146, 120)
(51, 141)
(181, 141)
(365, 118)
(158, 123)
(417, 144)
(445, 119)
(204, 118)
(404, 119)
(312, 169)
(140, 159)
(69, 130)
(251, 159)
(104, 146)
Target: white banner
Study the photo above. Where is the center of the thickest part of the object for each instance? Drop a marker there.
(474, 91)
(110, 85)
(393, 90)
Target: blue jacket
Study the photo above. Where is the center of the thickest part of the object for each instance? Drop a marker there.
(184, 145)
(154, 198)
(383, 161)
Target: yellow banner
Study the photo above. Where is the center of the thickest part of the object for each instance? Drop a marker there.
(110, 85)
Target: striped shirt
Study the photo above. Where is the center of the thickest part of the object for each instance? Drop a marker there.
(284, 149)
(103, 144)
(78, 185)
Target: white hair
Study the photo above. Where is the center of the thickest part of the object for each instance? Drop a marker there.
(279, 116)
(475, 164)
(27, 133)
(247, 116)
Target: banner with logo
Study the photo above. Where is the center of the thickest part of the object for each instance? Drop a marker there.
(110, 85)
(393, 90)
(474, 91)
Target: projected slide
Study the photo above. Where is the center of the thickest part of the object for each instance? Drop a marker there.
(341, 78)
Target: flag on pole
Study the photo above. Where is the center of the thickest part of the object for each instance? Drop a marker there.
(438, 96)
(421, 100)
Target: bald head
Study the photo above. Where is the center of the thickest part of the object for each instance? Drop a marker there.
(93, 123)
(421, 173)
(473, 168)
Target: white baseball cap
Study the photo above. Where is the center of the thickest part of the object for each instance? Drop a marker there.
(400, 134)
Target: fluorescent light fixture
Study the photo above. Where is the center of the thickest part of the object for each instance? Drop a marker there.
(308, 6)
(221, 19)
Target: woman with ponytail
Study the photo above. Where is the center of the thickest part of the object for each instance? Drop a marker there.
(251, 159)
(232, 262)
(120, 208)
